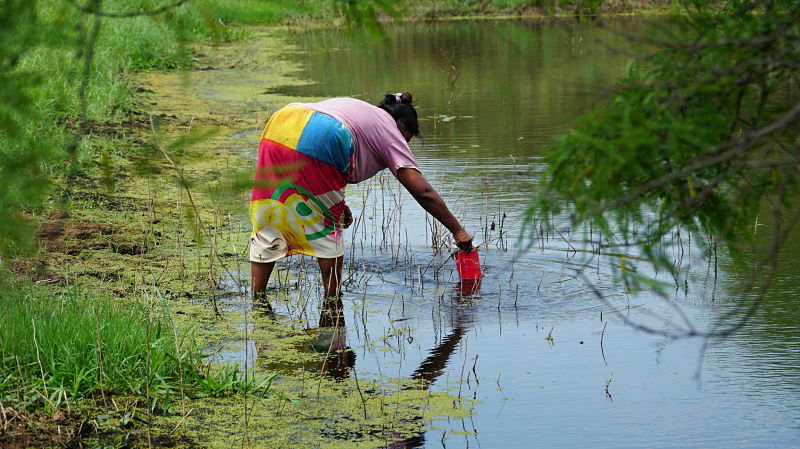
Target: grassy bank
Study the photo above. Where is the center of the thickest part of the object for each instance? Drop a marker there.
(59, 347)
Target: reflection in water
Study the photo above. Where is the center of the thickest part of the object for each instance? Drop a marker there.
(485, 89)
(331, 342)
(467, 288)
(328, 342)
(336, 359)
(434, 365)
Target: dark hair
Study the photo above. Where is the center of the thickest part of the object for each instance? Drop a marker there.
(402, 111)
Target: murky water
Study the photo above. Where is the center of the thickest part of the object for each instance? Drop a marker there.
(546, 362)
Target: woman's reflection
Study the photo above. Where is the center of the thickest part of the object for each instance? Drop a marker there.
(338, 359)
(329, 341)
(434, 365)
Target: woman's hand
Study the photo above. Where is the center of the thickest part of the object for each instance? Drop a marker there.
(347, 217)
(463, 240)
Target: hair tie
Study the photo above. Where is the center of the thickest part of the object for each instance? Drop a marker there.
(399, 97)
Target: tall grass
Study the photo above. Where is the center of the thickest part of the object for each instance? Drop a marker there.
(47, 65)
(262, 12)
(57, 345)
(68, 343)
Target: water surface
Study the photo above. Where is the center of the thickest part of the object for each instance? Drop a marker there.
(548, 364)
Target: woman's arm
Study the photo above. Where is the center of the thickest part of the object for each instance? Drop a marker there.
(432, 202)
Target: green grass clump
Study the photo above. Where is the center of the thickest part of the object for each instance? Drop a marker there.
(142, 43)
(221, 20)
(260, 12)
(57, 345)
(69, 341)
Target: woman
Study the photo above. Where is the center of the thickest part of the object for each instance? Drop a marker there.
(308, 154)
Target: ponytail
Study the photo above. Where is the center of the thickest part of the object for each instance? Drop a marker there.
(399, 107)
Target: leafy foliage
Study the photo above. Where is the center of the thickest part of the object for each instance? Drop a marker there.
(59, 69)
(22, 180)
(702, 135)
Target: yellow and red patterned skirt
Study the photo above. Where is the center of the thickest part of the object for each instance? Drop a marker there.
(298, 199)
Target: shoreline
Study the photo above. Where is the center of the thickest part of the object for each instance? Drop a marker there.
(488, 16)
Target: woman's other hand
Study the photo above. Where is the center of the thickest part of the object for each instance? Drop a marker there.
(347, 217)
(463, 240)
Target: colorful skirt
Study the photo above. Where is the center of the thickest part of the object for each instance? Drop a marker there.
(298, 199)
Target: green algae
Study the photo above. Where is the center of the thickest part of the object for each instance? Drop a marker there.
(309, 405)
(337, 416)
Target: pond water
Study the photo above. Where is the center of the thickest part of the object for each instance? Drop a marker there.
(546, 362)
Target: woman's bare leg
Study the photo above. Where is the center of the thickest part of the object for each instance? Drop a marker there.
(332, 308)
(259, 277)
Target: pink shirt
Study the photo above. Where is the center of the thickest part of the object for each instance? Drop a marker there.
(378, 142)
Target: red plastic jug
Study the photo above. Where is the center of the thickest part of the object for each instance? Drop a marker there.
(468, 265)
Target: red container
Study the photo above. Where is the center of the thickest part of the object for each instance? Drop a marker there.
(468, 265)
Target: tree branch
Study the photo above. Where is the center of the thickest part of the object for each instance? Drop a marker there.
(723, 154)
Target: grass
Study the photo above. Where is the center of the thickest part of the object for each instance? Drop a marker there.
(253, 12)
(58, 345)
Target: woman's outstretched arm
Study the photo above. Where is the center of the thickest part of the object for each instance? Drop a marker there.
(432, 202)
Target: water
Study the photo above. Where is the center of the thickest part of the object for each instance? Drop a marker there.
(547, 362)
